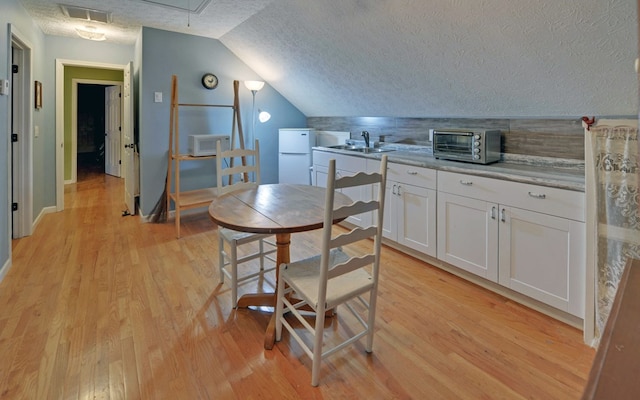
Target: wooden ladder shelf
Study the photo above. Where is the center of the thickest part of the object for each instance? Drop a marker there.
(198, 198)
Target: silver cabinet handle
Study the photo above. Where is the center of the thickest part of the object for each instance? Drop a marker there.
(393, 190)
(399, 190)
(503, 216)
(412, 172)
(493, 212)
(538, 195)
(466, 183)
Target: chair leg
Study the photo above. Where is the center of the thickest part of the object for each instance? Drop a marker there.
(221, 257)
(279, 308)
(371, 321)
(317, 346)
(261, 244)
(234, 274)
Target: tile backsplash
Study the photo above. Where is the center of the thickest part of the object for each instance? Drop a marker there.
(542, 137)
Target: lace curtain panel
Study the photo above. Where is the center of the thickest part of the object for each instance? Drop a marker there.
(616, 164)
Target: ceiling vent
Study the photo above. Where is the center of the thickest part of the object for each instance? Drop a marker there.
(86, 14)
(191, 6)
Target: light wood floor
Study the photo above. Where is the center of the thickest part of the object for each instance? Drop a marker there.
(97, 305)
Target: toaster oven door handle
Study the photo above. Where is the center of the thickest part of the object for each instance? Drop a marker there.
(453, 133)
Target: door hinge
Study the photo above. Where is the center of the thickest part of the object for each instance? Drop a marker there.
(14, 206)
(14, 69)
(14, 137)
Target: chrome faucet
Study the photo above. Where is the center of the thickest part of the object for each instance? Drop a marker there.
(365, 135)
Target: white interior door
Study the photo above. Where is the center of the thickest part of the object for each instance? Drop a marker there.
(128, 153)
(20, 153)
(112, 131)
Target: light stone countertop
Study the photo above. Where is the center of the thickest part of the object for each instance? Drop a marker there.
(558, 173)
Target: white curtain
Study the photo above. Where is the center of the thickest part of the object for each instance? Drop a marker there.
(614, 181)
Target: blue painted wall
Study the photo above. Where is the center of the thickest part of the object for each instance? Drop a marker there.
(165, 54)
(157, 55)
(12, 13)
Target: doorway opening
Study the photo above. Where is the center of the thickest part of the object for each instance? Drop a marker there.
(90, 130)
(66, 151)
(95, 128)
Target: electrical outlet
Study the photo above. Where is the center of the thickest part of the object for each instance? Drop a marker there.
(157, 97)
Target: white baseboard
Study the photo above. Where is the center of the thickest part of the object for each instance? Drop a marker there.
(5, 269)
(46, 210)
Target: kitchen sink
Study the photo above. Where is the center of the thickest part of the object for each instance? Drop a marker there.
(372, 149)
(361, 149)
(346, 147)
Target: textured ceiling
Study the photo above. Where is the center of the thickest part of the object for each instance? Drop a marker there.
(413, 58)
(217, 18)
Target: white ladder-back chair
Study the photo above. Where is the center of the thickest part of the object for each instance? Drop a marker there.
(230, 240)
(333, 277)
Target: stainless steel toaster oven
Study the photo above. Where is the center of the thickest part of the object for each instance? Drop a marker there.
(471, 145)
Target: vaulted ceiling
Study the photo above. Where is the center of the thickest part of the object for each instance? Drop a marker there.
(411, 58)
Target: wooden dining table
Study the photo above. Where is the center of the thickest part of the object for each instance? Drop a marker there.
(280, 209)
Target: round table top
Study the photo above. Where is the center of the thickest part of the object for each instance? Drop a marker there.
(273, 208)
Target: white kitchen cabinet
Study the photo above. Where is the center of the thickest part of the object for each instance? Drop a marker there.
(528, 238)
(410, 206)
(468, 234)
(345, 166)
(543, 256)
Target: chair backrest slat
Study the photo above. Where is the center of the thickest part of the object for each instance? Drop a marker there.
(351, 265)
(250, 168)
(354, 236)
(359, 179)
(356, 208)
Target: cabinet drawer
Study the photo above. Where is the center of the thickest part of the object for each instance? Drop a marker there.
(418, 176)
(553, 201)
(475, 187)
(343, 162)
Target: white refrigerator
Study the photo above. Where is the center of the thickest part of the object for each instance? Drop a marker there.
(294, 155)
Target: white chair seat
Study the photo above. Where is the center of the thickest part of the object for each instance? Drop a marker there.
(303, 277)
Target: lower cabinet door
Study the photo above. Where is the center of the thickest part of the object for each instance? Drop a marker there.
(320, 174)
(416, 218)
(543, 257)
(390, 217)
(468, 234)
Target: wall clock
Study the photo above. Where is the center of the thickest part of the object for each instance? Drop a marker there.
(209, 81)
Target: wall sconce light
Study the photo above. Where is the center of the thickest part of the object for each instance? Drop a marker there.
(263, 116)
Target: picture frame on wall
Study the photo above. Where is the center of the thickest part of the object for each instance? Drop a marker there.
(38, 95)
